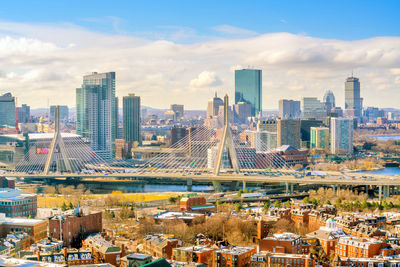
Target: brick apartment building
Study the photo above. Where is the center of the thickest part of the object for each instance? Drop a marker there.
(196, 254)
(234, 257)
(187, 203)
(66, 256)
(36, 229)
(282, 243)
(160, 246)
(74, 226)
(13, 203)
(266, 259)
(103, 251)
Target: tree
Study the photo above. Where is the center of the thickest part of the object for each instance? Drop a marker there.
(70, 206)
(50, 190)
(238, 207)
(64, 206)
(239, 194)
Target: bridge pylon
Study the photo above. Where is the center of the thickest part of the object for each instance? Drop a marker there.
(57, 140)
(226, 143)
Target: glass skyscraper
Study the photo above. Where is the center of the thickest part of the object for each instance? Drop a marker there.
(131, 118)
(96, 112)
(248, 89)
(7, 110)
(353, 101)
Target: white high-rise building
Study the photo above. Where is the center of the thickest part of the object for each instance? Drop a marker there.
(342, 135)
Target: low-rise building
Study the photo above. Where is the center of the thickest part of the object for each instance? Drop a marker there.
(160, 246)
(196, 254)
(266, 259)
(102, 250)
(282, 243)
(36, 229)
(74, 226)
(234, 256)
(136, 260)
(187, 203)
(13, 203)
(66, 256)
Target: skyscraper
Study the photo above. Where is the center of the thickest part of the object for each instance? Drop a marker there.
(312, 108)
(288, 133)
(179, 111)
(213, 106)
(97, 111)
(342, 135)
(63, 113)
(241, 111)
(131, 119)
(7, 110)
(248, 89)
(353, 101)
(24, 113)
(289, 109)
(329, 101)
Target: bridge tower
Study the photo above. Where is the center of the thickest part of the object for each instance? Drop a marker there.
(57, 140)
(226, 143)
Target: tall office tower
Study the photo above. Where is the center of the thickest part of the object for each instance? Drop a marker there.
(353, 101)
(241, 111)
(312, 108)
(268, 133)
(319, 138)
(305, 130)
(96, 112)
(179, 111)
(342, 135)
(63, 113)
(131, 119)
(177, 134)
(7, 110)
(213, 106)
(373, 113)
(329, 101)
(24, 113)
(248, 89)
(288, 132)
(289, 109)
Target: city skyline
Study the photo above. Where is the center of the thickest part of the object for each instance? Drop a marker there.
(191, 59)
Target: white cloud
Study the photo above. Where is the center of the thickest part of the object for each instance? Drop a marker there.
(39, 58)
(205, 78)
(232, 30)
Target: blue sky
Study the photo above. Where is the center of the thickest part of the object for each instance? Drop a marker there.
(183, 51)
(346, 20)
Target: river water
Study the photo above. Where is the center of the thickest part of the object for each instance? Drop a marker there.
(388, 137)
(386, 171)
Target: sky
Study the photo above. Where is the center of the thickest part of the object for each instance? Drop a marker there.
(183, 51)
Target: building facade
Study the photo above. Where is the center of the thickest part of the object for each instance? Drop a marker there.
(97, 112)
(288, 132)
(15, 204)
(289, 109)
(312, 108)
(7, 110)
(24, 113)
(319, 138)
(131, 119)
(248, 89)
(341, 135)
(353, 100)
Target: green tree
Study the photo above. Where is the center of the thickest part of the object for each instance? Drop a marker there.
(306, 200)
(70, 206)
(239, 194)
(238, 207)
(64, 206)
(277, 204)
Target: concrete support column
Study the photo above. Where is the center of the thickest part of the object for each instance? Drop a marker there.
(333, 188)
(287, 187)
(380, 193)
(216, 185)
(366, 189)
(244, 185)
(291, 188)
(388, 191)
(189, 183)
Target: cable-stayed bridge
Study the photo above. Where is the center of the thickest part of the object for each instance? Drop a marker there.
(204, 154)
